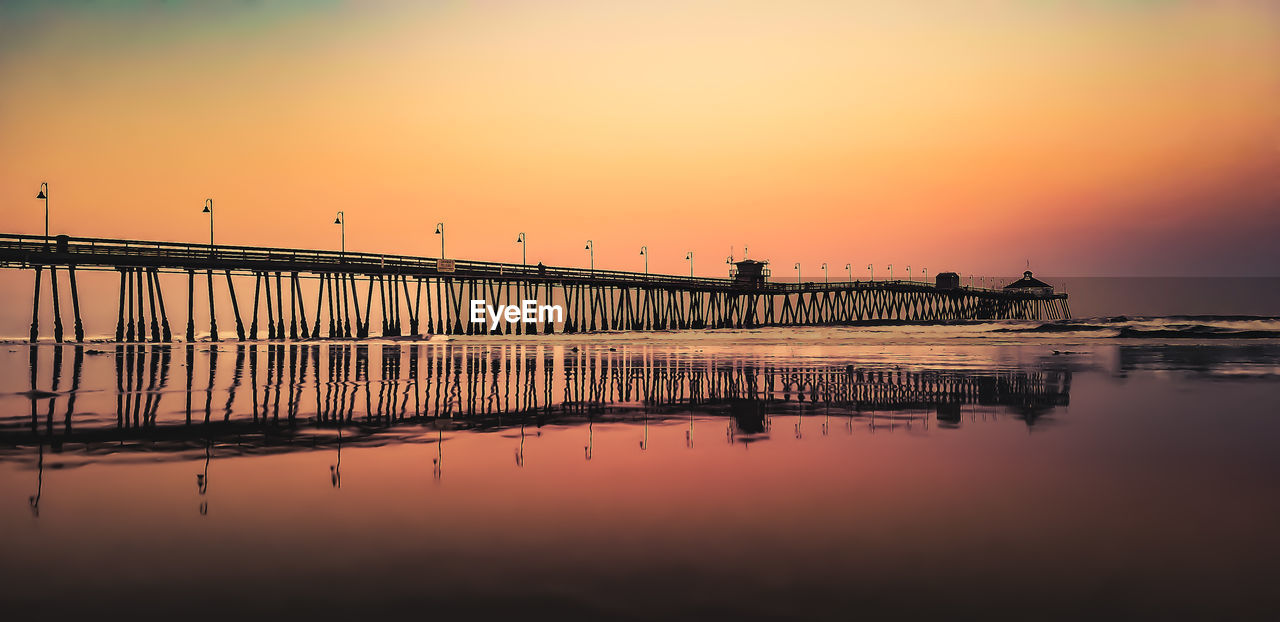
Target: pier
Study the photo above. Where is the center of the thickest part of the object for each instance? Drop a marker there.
(289, 293)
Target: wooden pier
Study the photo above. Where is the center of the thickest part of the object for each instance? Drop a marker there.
(424, 295)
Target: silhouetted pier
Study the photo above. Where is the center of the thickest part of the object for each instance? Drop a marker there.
(431, 295)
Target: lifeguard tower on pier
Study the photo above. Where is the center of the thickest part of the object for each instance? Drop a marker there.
(749, 273)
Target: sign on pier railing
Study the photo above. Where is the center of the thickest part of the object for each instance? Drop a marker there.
(445, 265)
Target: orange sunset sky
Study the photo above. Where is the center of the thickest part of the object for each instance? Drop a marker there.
(1122, 137)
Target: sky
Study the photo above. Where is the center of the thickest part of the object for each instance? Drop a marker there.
(1087, 137)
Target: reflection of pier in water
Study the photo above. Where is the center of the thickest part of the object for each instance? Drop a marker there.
(179, 398)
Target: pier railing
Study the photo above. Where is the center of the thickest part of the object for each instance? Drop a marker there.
(111, 253)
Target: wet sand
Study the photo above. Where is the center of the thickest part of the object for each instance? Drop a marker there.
(606, 477)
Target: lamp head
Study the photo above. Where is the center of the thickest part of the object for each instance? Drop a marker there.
(206, 209)
(337, 221)
(439, 228)
(42, 195)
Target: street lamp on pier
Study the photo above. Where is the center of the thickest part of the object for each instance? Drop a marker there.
(341, 220)
(524, 249)
(689, 256)
(44, 195)
(849, 267)
(440, 232)
(797, 273)
(826, 275)
(591, 247)
(208, 209)
(644, 250)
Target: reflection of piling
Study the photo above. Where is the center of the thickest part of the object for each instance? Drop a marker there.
(208, 391)
(488, 386)
(77, 368)
(189, 364)
(235, 380)
(191, 304)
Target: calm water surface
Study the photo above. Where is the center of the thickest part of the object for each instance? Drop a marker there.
(734, 474)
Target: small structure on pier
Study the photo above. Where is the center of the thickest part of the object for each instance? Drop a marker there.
(749, 272)
(1031, 285)
(946, 280)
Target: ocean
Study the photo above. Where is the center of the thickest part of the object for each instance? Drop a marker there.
(1122, 462)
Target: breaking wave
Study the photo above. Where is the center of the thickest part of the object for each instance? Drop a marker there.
(1163, 327)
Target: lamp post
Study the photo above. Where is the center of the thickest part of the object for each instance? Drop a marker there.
(826, 275)
(208, 209)
(644, 250)
(440, 232)
(592, 248)
(849, 267)
(924, 274)
(689, 256)
(44, 195)
(342, 221)
(871, 272)
(908, 273)
(524, 249)
(797, 273)
(890, 272)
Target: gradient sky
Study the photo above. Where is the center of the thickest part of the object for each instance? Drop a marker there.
(1120, 137)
